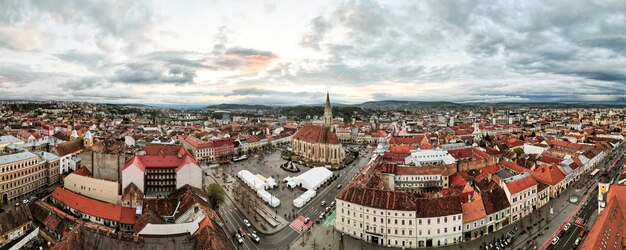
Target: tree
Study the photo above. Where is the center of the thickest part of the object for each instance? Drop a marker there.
(215, 194)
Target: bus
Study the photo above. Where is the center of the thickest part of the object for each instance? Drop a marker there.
(595, 172)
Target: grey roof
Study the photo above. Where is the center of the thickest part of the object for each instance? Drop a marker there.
(16, 157)
(48, 156)
(6, 139)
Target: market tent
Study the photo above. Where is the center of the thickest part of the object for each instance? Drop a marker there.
(314, 178)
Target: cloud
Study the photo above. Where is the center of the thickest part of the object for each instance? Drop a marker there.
(16, 75)
(91, 82)
(21, 39)
(88, 59)
(132, 22)
(246, 60)
(462, 51)
(154, 73)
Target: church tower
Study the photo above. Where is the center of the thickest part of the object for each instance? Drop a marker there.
(328, 111)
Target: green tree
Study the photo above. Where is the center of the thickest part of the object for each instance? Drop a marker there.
(215, 194)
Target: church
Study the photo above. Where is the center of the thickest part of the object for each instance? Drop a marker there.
(318, 143)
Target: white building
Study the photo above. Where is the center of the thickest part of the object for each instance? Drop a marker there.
(420, 157)
(398, 219)
(521, 190)
(161, 174)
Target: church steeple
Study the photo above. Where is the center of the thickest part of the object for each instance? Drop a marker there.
(328, 111)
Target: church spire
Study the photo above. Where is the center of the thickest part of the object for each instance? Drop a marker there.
(328, 111)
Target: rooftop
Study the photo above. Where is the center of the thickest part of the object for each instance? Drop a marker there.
(6, 159)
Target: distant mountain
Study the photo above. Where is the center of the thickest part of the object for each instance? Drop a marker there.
(239, 106)
(395, 104)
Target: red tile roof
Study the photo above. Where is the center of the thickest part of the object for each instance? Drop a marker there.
(468, 153)
(521, 184)
(608, 230)
(125, 215)
(316, 134)
(414, 140)
(197, 143)
(548, 174)
(474, 209)
(490, 169)
(514, 166)
(82, 171)
(160, 161)
(155, 149)
(399, 200)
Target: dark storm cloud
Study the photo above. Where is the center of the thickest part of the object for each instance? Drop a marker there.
(500, 41)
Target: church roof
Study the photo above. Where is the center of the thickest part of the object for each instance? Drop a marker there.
(316, 134)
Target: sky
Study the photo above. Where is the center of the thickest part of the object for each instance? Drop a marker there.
(292, 52)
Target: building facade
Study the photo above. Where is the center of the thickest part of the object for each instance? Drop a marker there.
(398, 219)
(318, 144)
(23, 174)
(161, 174)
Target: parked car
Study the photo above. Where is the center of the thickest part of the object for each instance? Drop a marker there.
(322, 215)
(323, 203)
(255, 238)
(567, 226)
(577, 241)
(582, 233)
(555, 240)
(247, 223)
(339, 186)
(332, 204)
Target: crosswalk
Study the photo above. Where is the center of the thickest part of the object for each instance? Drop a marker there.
(579, 221)
(299, 226)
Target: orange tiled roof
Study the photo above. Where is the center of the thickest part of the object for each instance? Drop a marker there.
(521, 184)
(316, 134)
(125, 215)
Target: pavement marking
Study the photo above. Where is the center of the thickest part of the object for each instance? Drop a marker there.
(299, 226)
(330, 218)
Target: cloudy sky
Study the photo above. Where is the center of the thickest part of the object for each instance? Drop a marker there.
(290, 52)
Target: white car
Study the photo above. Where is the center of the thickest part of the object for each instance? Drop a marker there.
(247, 223)
(239, 238)
(255, 238)
(555, 240)
(567, 226)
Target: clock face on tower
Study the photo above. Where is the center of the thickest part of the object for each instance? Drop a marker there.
(603, 188)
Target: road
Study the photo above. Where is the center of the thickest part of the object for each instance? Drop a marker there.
(281, 240)
(569, 238)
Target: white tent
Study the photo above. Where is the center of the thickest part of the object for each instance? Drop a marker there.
(287, 179)
(292, 184)
(298, 202)
(274, 202)
(252, 180)
(271, 183)
(314, 178)
(308, 195)
(264, 195)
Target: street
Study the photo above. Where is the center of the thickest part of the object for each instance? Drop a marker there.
(282, 239)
